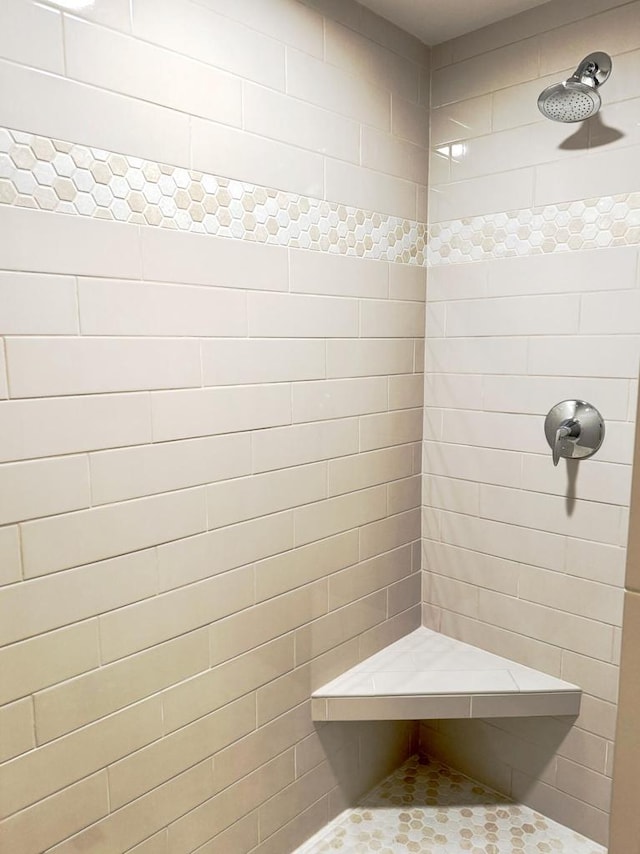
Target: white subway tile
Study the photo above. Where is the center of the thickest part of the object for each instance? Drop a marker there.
(237, 154)
(182, 415)
(534, 394)
(109, 307)
(365, 188)
(237, 362)
(297, 316)
(476, 464)
(487, 194)
(31, 34)
(477, 355)
(61, 542)
(457, 281)
(459, 121)
(67, 244)
(42, 488)
(408, 122)
(391, 319)
(55, 297)
(43, 604)
(303, 443)
(299, 123)
(369, 358)
(41, 367)
(259, 495)
(390, 428)
(135, 472)
(335, 89)
(598, 481)
(322, 273)
(406, 391)
(369, 469)
(604, 173)
(65, 109)
(506, 431)
(386, 153)
(132, 67)
(10, 561)
(514, 316)
(320, 401)
(611, 313)
(407, 282)
(198, 32)
(454, 391)
(197, 259)
(72, 424)
(600, 356)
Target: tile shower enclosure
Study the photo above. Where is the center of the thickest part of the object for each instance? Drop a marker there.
(217, 233)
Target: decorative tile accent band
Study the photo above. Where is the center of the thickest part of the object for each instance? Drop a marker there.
(47, 174)
(591, 224)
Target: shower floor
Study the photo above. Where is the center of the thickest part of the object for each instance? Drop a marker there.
(427, 808)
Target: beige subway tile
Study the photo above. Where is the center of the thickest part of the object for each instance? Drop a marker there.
(303, 443)
(404, 595)
(93, 695)
(368, 576)
(57, 107)
(10, 561)
(224, 809)
(387, 153)
(338, 398)
(472, 567)
(242, 758)
(145, 624)
(135, 822)
(386, 534)
(55, 818)
(336, 89)
(585, 784)
(227, 682)
(392, 428)
(594, 677)
(136, 472)
(34, 664)
(409, 123)
(458, 496)
(570, 593)
(335, 628)
(293, 800)
(341, 275)
(255, 626)
(42, 488)
(76, 245)
(199, 259)
(297, 315)
(180, 415)
(240, 838)
(407, 282)
(100, 56)
(339, 514)
(210, 554)
(369, 469)
(38, 606)
(404, 494)
(259, 495)
(156, 844)
(349, 358)
(29, 778)
(282, 694)
(16, 729)
(55, 297)
(299, 829)
(89, 535)
(482, 195)
(236, 362)
(461, 120)
(212, 39)
(4, 389)
(110, 307)
(165, 759)
(305, 564)
(73, 424)
(368, 189)
(276, 116)
(45, 367)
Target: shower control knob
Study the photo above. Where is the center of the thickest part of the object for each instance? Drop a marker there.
(574, 429)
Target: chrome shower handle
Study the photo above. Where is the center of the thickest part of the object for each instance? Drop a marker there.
(576, 421)
(569, 429)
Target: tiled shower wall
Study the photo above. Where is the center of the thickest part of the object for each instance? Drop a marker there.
(210, 445)
(521, 558)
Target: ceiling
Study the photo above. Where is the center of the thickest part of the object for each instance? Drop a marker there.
(435, 21)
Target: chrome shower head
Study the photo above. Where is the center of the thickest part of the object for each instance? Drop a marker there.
(577, 98)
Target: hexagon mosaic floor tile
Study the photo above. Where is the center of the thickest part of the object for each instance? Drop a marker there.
(427, 808)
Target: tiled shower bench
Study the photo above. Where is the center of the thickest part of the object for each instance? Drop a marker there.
(427, 675)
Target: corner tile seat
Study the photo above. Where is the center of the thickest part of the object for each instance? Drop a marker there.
(428, 675)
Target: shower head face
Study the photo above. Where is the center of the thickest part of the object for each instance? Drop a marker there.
(570, 101)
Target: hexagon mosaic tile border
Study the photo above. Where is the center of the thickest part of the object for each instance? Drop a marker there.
(426, 808)
(37, 172)
(52, 175)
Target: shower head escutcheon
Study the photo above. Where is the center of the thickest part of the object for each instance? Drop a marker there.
(577, 98)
